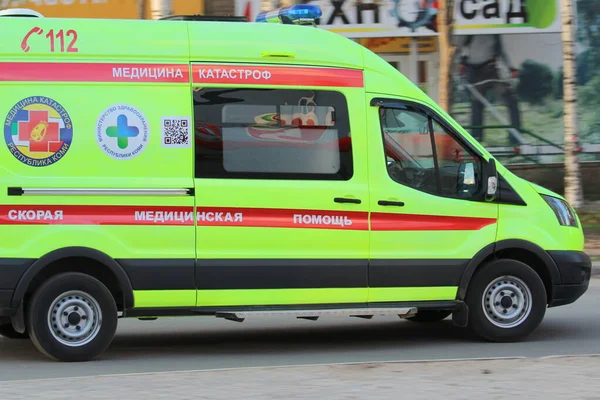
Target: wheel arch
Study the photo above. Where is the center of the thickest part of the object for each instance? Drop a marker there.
(53, 258)
(516, 249)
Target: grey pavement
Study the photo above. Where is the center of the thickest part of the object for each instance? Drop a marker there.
(549, 378)
(596, 269)
(204, 343)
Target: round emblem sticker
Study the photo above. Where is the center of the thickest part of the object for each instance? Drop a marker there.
(38, 131)
(122, 131)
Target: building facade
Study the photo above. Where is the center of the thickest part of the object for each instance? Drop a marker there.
(120, 9)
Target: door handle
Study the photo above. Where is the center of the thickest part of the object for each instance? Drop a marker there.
(345, 200)
(390, 203)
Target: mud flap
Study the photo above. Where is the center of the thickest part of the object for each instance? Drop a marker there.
(18, 320)
(460, 317)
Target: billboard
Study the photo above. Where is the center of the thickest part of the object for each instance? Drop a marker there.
(373, 18)
(517, 80)
(512, 79)
(366, 18)
(406, 18)
(506, 16)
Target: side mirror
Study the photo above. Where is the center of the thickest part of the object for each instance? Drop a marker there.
(491, 180)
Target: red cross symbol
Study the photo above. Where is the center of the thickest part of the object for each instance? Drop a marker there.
(47, 133)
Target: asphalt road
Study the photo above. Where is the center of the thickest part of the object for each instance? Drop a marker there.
(177, 344)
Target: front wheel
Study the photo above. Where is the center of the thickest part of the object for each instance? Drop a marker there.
(72, 317)
(506, 300)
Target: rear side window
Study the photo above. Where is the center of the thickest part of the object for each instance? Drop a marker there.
(272, 134)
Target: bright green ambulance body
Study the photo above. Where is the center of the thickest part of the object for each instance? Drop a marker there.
(158, 168)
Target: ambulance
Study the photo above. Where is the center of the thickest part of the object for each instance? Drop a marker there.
(234, 169)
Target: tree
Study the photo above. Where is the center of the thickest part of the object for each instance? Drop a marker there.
(445, 21)
(573, 189)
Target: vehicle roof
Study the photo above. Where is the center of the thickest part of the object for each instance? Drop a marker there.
(168, 41)
(182, 42)
(235, 41)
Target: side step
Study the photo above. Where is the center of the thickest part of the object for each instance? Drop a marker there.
(313, 315)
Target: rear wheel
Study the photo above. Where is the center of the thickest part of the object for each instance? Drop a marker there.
(72, 317)
(427, 316)
(7, 331)
(506, 300)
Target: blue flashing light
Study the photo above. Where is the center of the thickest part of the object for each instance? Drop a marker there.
(299, 14)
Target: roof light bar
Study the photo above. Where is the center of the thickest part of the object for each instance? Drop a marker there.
(299, 14)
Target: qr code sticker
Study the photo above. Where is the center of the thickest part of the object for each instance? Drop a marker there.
(176, 132)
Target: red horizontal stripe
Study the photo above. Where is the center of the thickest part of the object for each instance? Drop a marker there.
(182, 216)
(276, 75)
(284, 218)
(178, 73)
(416, 222)
(242, 217)
(85, 215)
(93, 72)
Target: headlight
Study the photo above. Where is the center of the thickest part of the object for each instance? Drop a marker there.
(562, 209)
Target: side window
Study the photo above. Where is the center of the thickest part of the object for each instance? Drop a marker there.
(408, 148)
(421, 154)
(459, 170)
(272, 134)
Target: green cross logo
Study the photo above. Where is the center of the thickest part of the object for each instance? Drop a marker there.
(122, 131)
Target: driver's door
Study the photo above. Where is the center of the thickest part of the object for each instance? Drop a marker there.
(426, 223)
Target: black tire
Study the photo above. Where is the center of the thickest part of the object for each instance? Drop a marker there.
(428, 316)
(7, 331)
(84, 296)
(527, 305)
